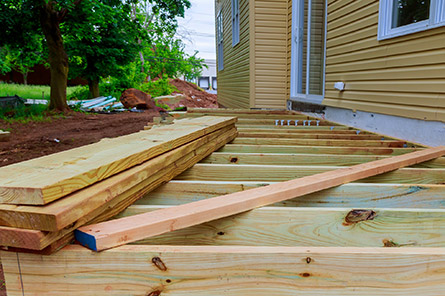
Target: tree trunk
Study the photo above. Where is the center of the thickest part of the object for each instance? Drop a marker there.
(58, 59)
(93, 86)
(25, 78)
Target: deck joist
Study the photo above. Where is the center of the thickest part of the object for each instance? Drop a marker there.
(378, 236)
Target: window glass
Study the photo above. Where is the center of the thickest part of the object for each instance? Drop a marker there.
(407, 12)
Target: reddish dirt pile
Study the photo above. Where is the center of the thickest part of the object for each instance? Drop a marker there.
(35, 139)
(195, 97)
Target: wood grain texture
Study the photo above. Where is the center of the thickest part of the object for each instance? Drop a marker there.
(279, 173)
(303, 159)
(125, 230)
(303, 130)
(68, 171)
(261, 121)
(353, 195)
(38, 240)
(310, 136)
(65, 211)
(237, 270)
(310, 227)
(320, 142)
(251, 148)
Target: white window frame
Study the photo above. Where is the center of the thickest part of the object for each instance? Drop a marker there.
(235, 22)
(219, 40)
(297, 94)
(385, 30)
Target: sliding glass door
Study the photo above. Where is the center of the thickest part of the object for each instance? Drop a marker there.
(308, 50)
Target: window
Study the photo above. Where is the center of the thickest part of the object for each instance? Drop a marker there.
(401, 17)
(219, 41)
(204, 82)
(235, 22)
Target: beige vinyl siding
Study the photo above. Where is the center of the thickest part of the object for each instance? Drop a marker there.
(402, 76)
(289, 46)
(234, 79)
(270, 67)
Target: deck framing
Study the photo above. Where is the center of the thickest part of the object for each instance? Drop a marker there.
(381, 236)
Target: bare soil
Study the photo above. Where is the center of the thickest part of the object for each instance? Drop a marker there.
(196, 98)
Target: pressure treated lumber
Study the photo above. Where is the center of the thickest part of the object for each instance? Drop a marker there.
(311, 136)
(241, 111)
(118, 232)
(304, 159)
(234, 270)
(38, 240)
(279, 173)
(48, 178)
(4, 136)
(249, 148)
(311, 227)
(67, 210)
(261, 121)
(321, 142)
(353, 195)
(302, 130)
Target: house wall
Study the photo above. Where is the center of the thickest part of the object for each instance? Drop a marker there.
(234, 80)
(270, 56)
(402, 76)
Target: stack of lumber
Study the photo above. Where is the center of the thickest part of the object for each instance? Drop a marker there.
(4, 136)
(44, 200)
(381, 234)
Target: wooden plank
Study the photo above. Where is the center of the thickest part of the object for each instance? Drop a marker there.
(307, 130)
(309, 226)
(245, 115)
(279, 173)
(65, 211)
(4, 136)
(304, 159)
(353, 195)
(260, 121)
(320, 142)
(42, 180)
(311, 136)
(242, 111)
(38, 240)
(237, 270)
(246, 148)
(118, 232)
(290, 127)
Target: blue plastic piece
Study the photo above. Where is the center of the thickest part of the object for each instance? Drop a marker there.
(86, 240)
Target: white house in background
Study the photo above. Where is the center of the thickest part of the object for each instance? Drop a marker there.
(208, 79)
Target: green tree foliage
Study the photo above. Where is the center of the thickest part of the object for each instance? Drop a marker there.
(78, 21)
(24, 58)
(99, 45)
(166, 56)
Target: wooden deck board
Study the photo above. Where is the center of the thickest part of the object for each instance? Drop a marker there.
(353, 195)
(237, 270)
(279, 173)
(74, 169)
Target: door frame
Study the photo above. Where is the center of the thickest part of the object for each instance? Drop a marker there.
(296, 94)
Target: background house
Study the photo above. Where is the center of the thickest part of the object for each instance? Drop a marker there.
(387, 58)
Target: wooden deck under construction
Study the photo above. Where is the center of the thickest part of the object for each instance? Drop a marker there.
(383, 235)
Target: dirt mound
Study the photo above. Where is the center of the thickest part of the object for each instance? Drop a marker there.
(195, 97)
(38, 138)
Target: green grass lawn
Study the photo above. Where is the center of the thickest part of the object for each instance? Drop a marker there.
(33, 92)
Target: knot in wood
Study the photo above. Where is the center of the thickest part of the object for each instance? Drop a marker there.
(158, 263)
(155, 293)
(356, 216)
